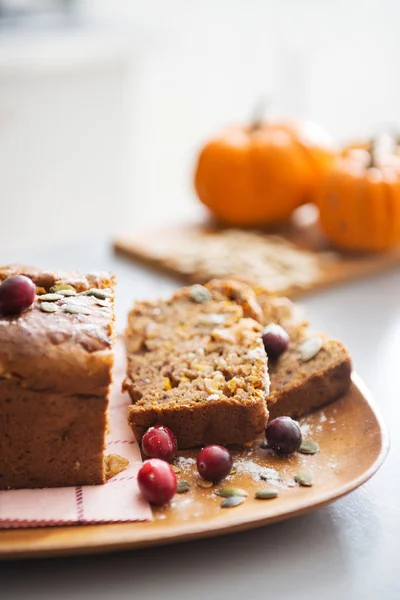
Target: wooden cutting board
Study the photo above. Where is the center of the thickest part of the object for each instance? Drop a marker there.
(291, 261)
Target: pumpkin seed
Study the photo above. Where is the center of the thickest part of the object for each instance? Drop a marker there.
(309, 447)
(303, 479)
(75, 309)
(50, 297)
(67, 293)
(48, 307)
(233, 470)
(102, 302)
(183, 487)
(264, 445)
(100, 294)
(228, 492)
(176, 469)
(265, 494)
(62, 287)
(232, 501)
(310, 348)
(199, 293)
(203, 483)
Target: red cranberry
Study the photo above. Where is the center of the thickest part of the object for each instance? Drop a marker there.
(157, 481)
(283, 435)
(159, 442)
(276, 340)
(17, 293)
(214, 462)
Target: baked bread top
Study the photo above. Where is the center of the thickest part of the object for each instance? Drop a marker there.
(63, 342)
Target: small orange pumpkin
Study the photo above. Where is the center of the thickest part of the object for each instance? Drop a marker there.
(359, 201)
(253, 176)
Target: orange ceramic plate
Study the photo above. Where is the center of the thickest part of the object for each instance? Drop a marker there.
(353, 444)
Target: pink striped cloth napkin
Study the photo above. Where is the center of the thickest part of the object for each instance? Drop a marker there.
(117, 501)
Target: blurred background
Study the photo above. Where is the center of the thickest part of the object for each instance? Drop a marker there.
(103, 105)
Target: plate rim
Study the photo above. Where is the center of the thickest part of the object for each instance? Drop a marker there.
(201, 529)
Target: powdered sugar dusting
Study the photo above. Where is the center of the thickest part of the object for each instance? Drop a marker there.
(316, 426)
(187, 507)
(256, 471)
(184, 462)
(305, 429)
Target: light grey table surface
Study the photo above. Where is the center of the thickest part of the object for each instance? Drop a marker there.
(348, 550)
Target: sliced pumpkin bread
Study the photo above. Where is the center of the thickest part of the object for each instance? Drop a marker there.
(314, 371)
(196, 363)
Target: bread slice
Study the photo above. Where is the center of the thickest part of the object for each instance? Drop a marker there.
(301, 382)
(196, 363)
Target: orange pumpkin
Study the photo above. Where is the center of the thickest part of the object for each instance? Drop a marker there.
(359, 201)
(252, 176)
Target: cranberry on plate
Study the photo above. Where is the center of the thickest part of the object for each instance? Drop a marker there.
(283, 435)
(276, 340)
(17, 294)
(214, 462)
(157, 481)
(159, 442)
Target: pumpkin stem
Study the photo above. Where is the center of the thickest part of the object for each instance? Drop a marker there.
(372, 154)
(259, 111)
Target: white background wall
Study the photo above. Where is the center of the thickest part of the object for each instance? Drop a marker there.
(109, 142)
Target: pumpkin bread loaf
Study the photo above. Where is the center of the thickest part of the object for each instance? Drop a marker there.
(56, 362)
(196, 363)
(314, 371)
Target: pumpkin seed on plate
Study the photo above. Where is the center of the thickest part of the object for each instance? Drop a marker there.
(303, 479)
(176, 469)
(232, 501)
(67, 293)
(265, 494)
(228, 492)
(264, 445)
(233, 470)
(203, 483)
(183, 486)
(309, 447)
